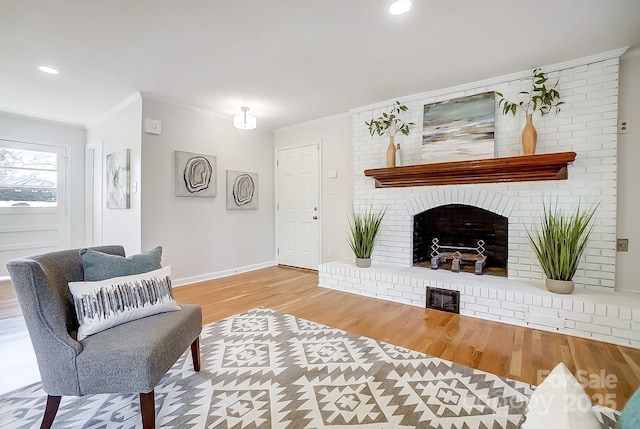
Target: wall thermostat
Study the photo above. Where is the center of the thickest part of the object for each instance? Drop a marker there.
(153, 126)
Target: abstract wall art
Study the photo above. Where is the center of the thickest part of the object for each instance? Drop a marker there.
(195, 175)
(242, 190)
(117, 178)
(459, 130)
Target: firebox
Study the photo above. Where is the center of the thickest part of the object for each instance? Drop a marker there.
(460, 237)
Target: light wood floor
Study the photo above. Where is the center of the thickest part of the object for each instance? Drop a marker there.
(506, 350)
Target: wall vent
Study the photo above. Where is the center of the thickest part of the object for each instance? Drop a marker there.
(443, 299)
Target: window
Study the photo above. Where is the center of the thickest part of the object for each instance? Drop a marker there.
(28, 178)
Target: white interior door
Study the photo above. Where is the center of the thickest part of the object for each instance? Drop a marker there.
(297, 206)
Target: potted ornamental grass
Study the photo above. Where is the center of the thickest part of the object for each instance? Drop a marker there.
(560, 243)
(363, 232)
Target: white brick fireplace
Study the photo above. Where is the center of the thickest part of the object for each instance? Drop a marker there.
(586, 125)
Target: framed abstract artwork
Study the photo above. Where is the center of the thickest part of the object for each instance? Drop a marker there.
(460, 129)
(117, 178)
(242, 190)
(195, 175)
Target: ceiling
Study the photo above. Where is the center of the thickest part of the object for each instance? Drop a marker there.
(290, 61)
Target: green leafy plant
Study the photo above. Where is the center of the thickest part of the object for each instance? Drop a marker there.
(540, 97)
(364, 228)
(390, 122)
(561, 241)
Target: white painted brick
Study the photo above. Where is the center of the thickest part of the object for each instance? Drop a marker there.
(576, 316)
(612, 322)
(589, 327)
(488, 302)
(502, 312)
(544, 320)
(477, 308)
(544, 311)
(515, 307)
(590, 308)
(625, 313)
(625, 333)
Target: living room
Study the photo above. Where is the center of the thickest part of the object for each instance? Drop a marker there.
(202, 240)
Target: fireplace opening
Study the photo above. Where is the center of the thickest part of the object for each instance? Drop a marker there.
(459, 237)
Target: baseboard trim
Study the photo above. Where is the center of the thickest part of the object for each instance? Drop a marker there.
(219, 274)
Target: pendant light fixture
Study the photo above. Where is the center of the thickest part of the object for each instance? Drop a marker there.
(244, 121)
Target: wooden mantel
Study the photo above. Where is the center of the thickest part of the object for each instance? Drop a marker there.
(548, 166)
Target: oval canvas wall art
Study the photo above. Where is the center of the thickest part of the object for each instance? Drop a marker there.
(460, 129)
(242, 190)
(195, 175)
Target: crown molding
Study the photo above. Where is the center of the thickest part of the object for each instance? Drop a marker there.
(632, 53)
(149, 96)
(115, 109)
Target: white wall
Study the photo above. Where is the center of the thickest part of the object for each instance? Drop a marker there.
(201, 239)
(586, 125)
(121, 129)
(26, 129)
(629, 174)
(335, 136)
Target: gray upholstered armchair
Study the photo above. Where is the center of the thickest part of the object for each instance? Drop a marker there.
(129, 358)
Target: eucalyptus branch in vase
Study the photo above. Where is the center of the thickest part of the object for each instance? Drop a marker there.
(539, 98)
(390, 123)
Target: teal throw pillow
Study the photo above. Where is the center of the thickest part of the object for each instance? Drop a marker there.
(101, 266)
(630, 416)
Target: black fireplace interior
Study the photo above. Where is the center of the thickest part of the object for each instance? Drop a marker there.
(462, 226)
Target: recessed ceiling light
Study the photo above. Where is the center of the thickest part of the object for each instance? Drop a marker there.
(49, 70)
(399, 7)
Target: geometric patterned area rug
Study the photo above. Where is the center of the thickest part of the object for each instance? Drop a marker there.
(265, 369)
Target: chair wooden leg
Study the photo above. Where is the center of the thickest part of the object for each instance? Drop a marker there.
(148, 410)
(50, 410)
(195, 354)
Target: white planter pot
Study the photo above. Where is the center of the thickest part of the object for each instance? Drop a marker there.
(363, 262)
(559, 286)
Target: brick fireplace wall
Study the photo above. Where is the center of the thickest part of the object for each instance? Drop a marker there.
(586, 125)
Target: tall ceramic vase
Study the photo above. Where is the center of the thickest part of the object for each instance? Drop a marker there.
(391, 153)
(529, 137)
